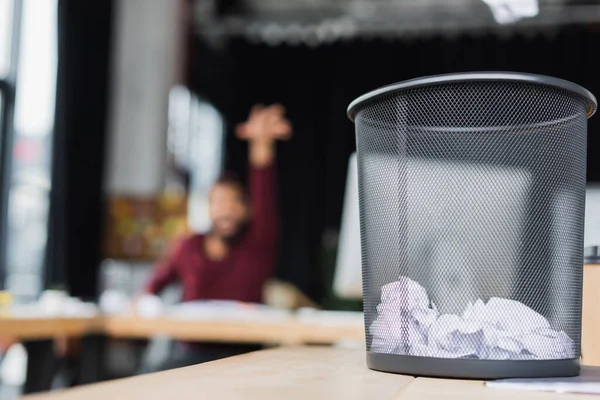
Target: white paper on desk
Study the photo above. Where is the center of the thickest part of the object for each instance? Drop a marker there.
(69, 308)
(313, 316)
(587, 382)
(227, 310)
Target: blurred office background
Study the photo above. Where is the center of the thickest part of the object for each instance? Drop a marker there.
(134, 100)
(116, 117)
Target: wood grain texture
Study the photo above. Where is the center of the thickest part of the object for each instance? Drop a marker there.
(285, 373)
(291, 373)
(590, 330)
(48, 328)
(288, 332)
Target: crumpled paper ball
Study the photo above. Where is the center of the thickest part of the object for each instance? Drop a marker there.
(501, 329)
(404, 317)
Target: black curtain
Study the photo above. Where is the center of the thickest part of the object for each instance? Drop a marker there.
(316, 86)
(76, 207)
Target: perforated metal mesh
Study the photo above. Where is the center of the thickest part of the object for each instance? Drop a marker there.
(473, 190)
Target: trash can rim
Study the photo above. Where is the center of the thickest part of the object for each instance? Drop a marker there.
(474, 77)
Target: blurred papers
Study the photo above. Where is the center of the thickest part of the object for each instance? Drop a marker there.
(225, 310)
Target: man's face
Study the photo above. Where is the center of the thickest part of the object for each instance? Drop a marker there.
(228, 210)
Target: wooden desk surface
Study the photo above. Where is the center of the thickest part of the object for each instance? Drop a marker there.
(289, 373)
(590, 329)
(47, 328)
(286, 332)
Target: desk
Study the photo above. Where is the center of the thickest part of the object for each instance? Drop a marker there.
(590, 329)
(22, 329)
(290, 373)
(37, 334)
(290, 331)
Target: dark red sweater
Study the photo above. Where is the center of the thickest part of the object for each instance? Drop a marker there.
(241, 275)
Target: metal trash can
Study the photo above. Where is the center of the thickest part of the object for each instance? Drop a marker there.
(472, 197)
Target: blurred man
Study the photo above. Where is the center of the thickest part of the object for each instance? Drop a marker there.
(237, 256)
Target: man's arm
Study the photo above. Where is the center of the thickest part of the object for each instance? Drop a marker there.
(263, 128)
(166, 271)
(263, 199)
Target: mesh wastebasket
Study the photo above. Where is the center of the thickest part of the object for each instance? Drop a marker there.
(472, 196)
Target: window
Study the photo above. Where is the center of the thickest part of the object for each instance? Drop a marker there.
(196, 138)
(9, 16)
(30, 65)
(6, 26)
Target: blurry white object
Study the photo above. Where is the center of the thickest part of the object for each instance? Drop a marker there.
(474, 210)
(55, 304)
(28, 196)
(588, 382)
(52, 302)
(195, 138)
(13, 368)
(58, 303)
(507, 190)
(309, 315)
(509, 315)
(73, 307)
(226, 310)
(592, 215)
(501, 329)
(149, 306)
(29, 310)
(456, 337)
(562, 233)
(510, 11)
(347, 281)
(198, 217)
(113, 302)
(403, 319)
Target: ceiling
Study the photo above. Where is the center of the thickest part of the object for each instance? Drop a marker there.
(315, 22)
